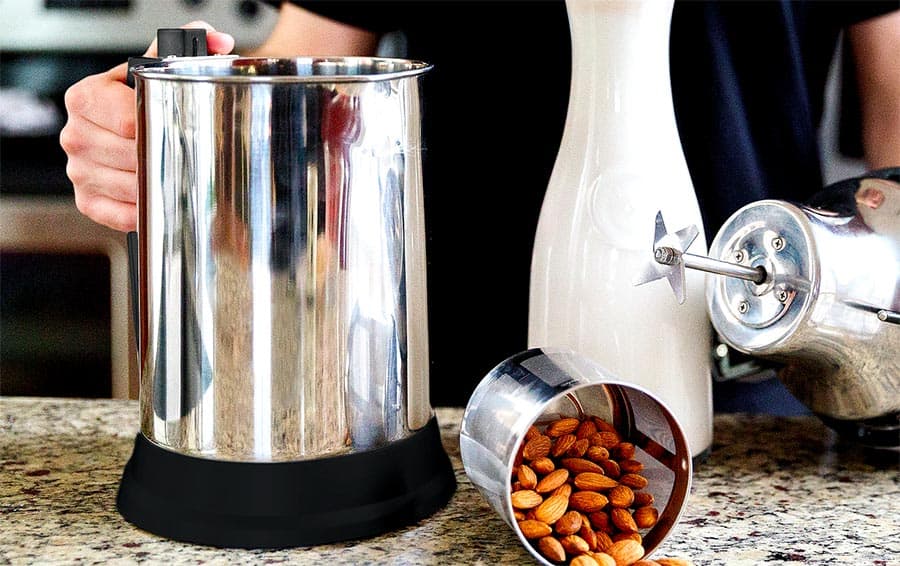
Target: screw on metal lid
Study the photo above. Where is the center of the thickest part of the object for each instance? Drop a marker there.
(756, 317)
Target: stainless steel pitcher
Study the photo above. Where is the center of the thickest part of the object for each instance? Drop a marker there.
(282, 259)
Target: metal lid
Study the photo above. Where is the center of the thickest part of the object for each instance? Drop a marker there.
(755, 318)
(231, 69)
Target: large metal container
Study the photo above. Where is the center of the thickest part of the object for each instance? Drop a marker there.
(282, 260)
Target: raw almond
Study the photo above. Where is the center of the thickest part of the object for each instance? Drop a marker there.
(552, 480)
(552, 509)
(607, 439)
(603, 559)
(561, 427)
(635, 481)
(646, 563)
(551, 549)
(622, 535)
(645, 517)
(630, 466)
(531, 433)
(578, 449)
(623, 450)
(597, 453)
(543, 465)
(562, 445)
(674, 562)
(537, 447)
(578, 465)
(569, 523)
(610, 468)
(593, 481)
(583, 560)
(534, 529)
(625, 552)
(519, 516)
(585, 429)
(604, 541)
(525, 499)
(574, 544)
(643, 498)
(603, 425)
(600, 521)
(527, 477)
(620, 496)
(588, 501)
(565, 490)
(587, 533)
(621, 518)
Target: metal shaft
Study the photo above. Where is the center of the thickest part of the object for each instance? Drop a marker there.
(669, 256)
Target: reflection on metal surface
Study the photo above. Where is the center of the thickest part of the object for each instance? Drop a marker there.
(282, 256)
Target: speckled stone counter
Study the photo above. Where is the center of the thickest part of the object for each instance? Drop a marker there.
(773, 491)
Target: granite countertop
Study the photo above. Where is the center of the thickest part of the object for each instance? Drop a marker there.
(773, 491)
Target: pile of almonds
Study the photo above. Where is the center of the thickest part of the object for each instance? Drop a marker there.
(576, 493)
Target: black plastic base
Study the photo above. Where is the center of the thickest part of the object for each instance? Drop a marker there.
(284, 504)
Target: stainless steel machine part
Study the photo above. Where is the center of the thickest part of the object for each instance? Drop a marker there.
(282, 259)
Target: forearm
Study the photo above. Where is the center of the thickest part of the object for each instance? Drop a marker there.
(300, 32)
(876, 49)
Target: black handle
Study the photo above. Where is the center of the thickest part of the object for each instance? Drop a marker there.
(170, 42)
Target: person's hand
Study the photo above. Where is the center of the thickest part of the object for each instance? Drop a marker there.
(98, 139)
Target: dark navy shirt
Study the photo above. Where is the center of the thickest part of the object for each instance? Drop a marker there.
(748, 81)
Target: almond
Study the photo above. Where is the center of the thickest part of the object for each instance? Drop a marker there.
(543, 465)
(552, 480)
(531, 433)
(620, 496)
(597, 453)
(603, 559)
(584, 560)
(588, 501)
(561, 427)
(551, 549)
(600, 521)
(534, 529)
(604, 541)
(574, 544)
(645, 517)
(592, 481)
(569, 523)
(579, 448)
(537, 447)
(625, 552)
(525, 499)
(519, 516)
(588, 534)
(585, 429)
(606, 439)
(526, 476)
(635, 481)
(623, 450)
(562, 445)
(552, 509)
(621, 518)
(602, 425)
(643, 498)
(630, 466)
(578, 465)
(674, 562)
(610, 468)
(646, 563)
(622, 535)
(565, 490)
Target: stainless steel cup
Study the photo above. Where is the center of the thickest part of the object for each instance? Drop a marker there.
(541, 385)
(282, 259)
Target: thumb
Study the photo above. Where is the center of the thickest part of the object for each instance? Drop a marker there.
(217, 43)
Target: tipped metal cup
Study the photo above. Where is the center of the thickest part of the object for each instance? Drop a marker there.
(541, 385)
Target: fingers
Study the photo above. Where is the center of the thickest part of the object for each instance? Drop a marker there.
(85, 140)
(103, 100)
(217, 43)
(117, 215)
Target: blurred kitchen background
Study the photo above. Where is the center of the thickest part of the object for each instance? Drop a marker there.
(64, 302)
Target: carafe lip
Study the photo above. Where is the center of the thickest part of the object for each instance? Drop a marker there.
(313, 70)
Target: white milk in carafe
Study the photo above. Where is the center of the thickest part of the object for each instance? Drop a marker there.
(620, 161)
